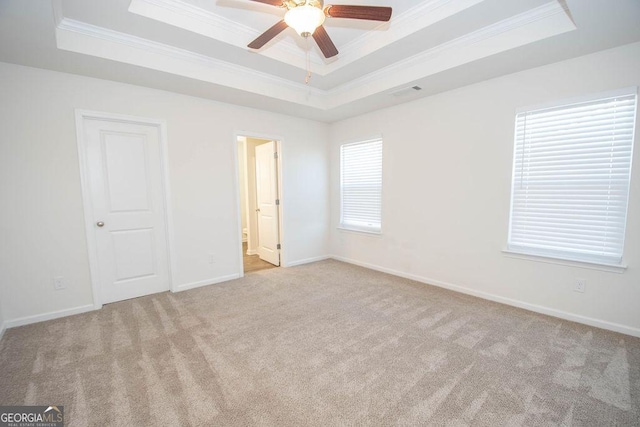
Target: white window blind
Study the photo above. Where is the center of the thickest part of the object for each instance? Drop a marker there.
(361, 185)
(571, 177)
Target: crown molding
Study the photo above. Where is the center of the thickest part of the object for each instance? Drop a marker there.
(536, 24)
(206, 23)
(413, 20)
(80, 37)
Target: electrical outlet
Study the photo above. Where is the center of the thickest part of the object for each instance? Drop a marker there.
(59, 283)
(212, 259)
(580, 285)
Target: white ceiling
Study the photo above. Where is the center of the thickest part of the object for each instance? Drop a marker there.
(198, 47)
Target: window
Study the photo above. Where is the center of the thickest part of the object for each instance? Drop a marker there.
(361, 186)
(571, 176)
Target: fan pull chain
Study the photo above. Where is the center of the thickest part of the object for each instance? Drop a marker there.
(306, 80)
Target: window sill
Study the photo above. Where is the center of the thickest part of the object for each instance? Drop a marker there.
(368, 233)
(611, 268)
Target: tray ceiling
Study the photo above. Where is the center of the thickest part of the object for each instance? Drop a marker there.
(198, 47)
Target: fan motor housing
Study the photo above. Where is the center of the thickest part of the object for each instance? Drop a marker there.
(291, 4)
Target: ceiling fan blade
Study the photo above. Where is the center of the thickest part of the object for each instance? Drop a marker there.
(265, 37)
(371, 13)
(324, 42)
(271, 2)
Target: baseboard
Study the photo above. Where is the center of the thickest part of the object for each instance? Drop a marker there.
(27, 320)
(201, 283)
(602, 324)
(3, 327)
(85, 308)
(252, 252)
(307, 261)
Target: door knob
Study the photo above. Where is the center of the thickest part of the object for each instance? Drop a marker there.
(258, 210)
(100, 224)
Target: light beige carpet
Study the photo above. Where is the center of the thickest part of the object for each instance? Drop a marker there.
(322, 344)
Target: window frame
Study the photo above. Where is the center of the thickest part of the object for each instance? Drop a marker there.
(565, 257)
(349, 227)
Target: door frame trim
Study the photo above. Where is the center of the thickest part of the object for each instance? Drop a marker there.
(279, 141)
(82, 115)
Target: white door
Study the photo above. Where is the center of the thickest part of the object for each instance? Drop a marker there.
(267, 194)
(125, 184)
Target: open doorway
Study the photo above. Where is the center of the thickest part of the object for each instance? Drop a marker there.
(258, 178)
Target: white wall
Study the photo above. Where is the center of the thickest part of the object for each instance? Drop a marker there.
(446, 192)
(242, 180)
(447, 171)
(41, 220)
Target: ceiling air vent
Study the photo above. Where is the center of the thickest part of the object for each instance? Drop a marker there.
(406, 91)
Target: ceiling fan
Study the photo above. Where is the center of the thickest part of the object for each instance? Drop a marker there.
(307, 17)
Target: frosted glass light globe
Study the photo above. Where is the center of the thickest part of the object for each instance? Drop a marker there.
(304, 19)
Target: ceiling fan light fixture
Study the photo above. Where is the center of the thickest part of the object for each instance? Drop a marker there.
(304, 19)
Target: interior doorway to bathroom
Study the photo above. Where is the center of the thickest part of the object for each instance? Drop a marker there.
(258, 177)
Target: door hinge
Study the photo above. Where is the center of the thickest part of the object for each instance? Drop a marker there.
(275, 155)
(277, 202)
(279, 246)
